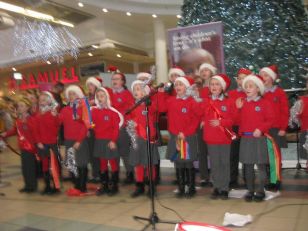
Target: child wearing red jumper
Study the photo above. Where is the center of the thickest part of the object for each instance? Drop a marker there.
(47, 127)
(24, 129)
(107, 122)
(218, 120)
(256, 118)
(299, 115)
(75, 134)
(235, 94)
(184, 117)
(206, 71)
(137, 130)
(122, 99)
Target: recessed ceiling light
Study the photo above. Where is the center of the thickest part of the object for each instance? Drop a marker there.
(48, 62)
(14, 69)
(119, 56)
(128, 13)
(94, 46)
(179, 16)
(104, 10)
(154, 15)
(80, 4)
(90, 54)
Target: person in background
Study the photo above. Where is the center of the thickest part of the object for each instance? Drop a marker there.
(234, 95)
(206, 71)
(278, 98)
(33, 96)
(256, 118)
(122, 100)
(24, 128)
(57, 91)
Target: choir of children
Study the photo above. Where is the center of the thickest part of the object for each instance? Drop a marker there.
(229, 126)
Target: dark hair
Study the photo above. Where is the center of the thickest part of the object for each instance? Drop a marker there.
(123, 78)
(59, 84)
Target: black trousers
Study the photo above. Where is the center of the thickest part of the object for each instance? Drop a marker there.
(28, 167)
(234, 157)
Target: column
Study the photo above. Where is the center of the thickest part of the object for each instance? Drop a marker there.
(160, 51)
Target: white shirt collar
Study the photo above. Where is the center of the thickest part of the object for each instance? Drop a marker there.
(271, 89)
(220, 97)
(118, 90)
(249, 99)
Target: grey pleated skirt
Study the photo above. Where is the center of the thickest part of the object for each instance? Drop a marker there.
(123, 142)
(138, 156)
(102, 150)
(280, 140)
(193, 147)
(302, 151)
(82, 154)
(253, 150)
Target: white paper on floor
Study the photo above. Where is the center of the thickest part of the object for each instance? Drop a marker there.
(236, 219)
(240, 193)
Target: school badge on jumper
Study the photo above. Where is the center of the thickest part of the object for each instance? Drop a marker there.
(119, 100)
(257, 108)
(184, 110)
(144, 113)
(106, 118)
(223, 108)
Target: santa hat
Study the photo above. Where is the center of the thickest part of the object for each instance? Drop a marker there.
(187, 81)
(224, 80)
(113, 69)
(75, 89)
(108, 103)
(176, 70)
(97, 82)
(244, 71)
(257, 80)
(208, 66)
(145, 87)
(141, 75)
(272, 71)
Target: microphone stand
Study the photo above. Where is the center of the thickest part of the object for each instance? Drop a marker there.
(153, 219)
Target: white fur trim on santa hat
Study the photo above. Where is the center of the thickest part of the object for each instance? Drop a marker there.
(52, 102)
(143, 75)
(183, 80)
(75, 89)
(146, 88)
(221, 81)
(208, 66)
(176, 71)
(94, 81)
(109, 104)
(256, 80)
(270, 72)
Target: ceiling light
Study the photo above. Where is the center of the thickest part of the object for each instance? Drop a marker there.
(94, 46)
(154, 15)
(90, 54)
(119, 56)
(104, 10)
(80, 4)
(14, 69)
(32, 13)
(179, 16)
(48, 62)
(17, 76)
(128, 14)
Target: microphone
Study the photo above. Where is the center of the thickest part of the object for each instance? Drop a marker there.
(168, 87)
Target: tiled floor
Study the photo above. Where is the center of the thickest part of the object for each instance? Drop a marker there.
(36, 212)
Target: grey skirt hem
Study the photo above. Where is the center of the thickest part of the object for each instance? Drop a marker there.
(139, 156)
(82, 154)
(102, 150)
(253, 150)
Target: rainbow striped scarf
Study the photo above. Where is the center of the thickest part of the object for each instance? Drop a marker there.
(182, 152)
(86, 111)
(274, 156)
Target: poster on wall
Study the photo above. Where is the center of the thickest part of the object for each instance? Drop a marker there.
(191, 46)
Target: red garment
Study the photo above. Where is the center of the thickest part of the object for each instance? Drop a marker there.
(122, 101)
(114, 164)
(47, 127)
(184, 115)
(139, 117)
(226, 109)
(204, 92)
(256, 115)
(25, 132)
(234, 95)
(74, 129)
(139, 173)
(279, 101)
(106, 124)
(304, 115)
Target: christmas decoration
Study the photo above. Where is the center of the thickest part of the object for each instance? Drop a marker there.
(131, 130)
(258, 33)
(70, 161)
(42, 41)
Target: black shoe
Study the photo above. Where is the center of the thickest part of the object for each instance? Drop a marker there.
(215, 194)
(205, 183)
(104, 189)
(129, 178)
(47, 191)
(23, 190)
(95, 180)
(249, 196)
(55, 191)
(180, 174)
(139, 190)
(30, 190)
(114, 184)
(224, 195)
(234, 185)
(259, 196)
(272, 187)
(191, 183)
